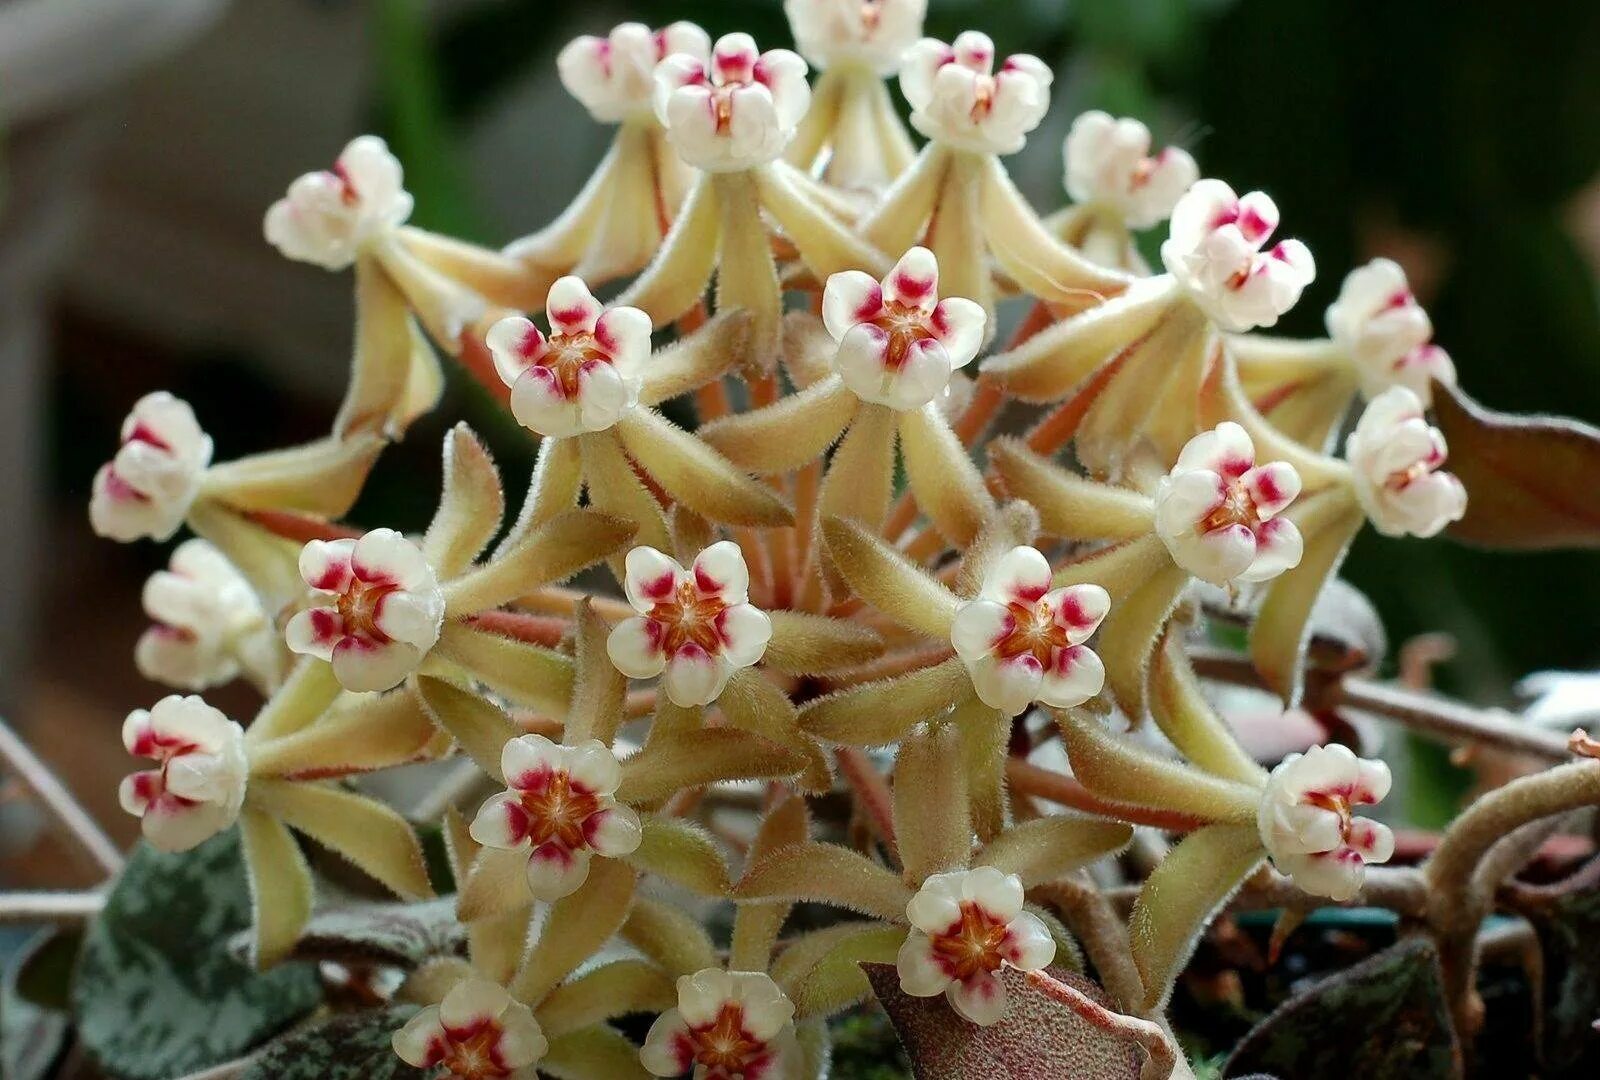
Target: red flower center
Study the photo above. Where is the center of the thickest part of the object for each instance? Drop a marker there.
(689, 616)
(475, 1055)
(724, 1047)
(972, 945)
(359, 605)
(905, 326)
(1035, 631)
(558, 811)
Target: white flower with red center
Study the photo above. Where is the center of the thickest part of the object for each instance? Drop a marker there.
(478, 1032)
(1217, 510)
(1381, 327)
(958, 98)
(871, 33)
(1022, 641)
(328, 216)
(965, 926)
(739, 111)
(147, 489)
(1214, 251)
(696, 625)
(898, 342)
(729, 1025)
(383, 609)
(558, 806)
(614, 76)
(207, 622)
(199, 783)
(1307, 822)
(1109, 164)
(1396, 456)
(586, 375)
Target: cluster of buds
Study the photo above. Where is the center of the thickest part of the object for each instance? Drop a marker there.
(773, 590)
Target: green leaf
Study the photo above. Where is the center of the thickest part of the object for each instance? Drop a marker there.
(157, 994)
(1037, 1037)
(1386, 1016)
(353, 1047)
(403, 935)
(1568, 929)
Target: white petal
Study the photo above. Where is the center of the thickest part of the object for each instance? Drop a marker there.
(501, 822)
(666, 1050)
(850, 297)
(1029, 946)
(960, 323)
(918, 69)
(412, 617)
(979, 626)
(516, 345)
(365, 667)
(522, 1042)
(694, 677)
(1075, 676)
(634, 647)
(554, 872)
(1279, 547)
(922, 377)
(594, 766)
(998, 894)
(385, 555)
(980, 999)
(325, 564)
(720, 571)
(1272, 487)
(937, 904)
(1008, 685)
(745, 632)
(624, 333)
(862, 361)
(615, 832)
(473, 1001)
(541, 406)
(1021, 575)
(702, 995)
(603, 396)
(571, 307)
(1218, 556)
(416, 1042)
(314, 632)
(650, 577)
(1225, 450)
(1079, 609)
(921, 973)
(914, 280)
(528, 761)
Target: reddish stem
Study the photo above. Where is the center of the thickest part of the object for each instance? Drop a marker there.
(1064, 790)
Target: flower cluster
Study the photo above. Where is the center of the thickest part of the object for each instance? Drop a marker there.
(835, 555)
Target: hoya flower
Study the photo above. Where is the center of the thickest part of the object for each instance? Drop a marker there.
(382, 609)
(198, 787)
(966, 925)
(208, 623)
(729, 1025)
(898, 342)
(739, 111)
(1381, 327)
(957, 98)
(872, 33)
(328, 216)
(1214, 251)
(1022, 641)
(1307, 822)
(695, 625)
(558, 807)
(147, 489)
(614, 76)
(1217, 510)
(585, 375)
(1396, 456)
(478, 1032)
(1109, 164)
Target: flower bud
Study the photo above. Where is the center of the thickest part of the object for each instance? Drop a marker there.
(328, 216)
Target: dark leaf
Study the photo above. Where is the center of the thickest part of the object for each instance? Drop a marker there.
(1530, 479)
(353, 1047)
(33, 1035)
(157, 994)
(1038, 1037)
(403, 935)
(1568, 929)
(44, 970)
(1386, 1016)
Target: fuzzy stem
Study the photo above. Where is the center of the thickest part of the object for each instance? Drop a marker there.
(1103, 934)
(1160, 1056)
(58, 800)
(1064, 790)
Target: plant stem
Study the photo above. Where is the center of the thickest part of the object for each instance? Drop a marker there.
(50, 907)
(869, 787)
(1064, 790)
(55, 796)
(1414, 709)
(1160, 1056)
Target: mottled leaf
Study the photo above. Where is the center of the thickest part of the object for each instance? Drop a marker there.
(353, 1047)
(157, 994)
(1568, 929)
(1385, 1016)
(1037, 1038)
(1530, 479)
(403, 935)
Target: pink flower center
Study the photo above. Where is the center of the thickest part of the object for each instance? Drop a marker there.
(689, 616)
(360, 604)
(1238, 507)
(347, 187)
(474, 1054)
(905, 326)
(971, 946)
(723, 1047)
(558, 810)
(1034, 631)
